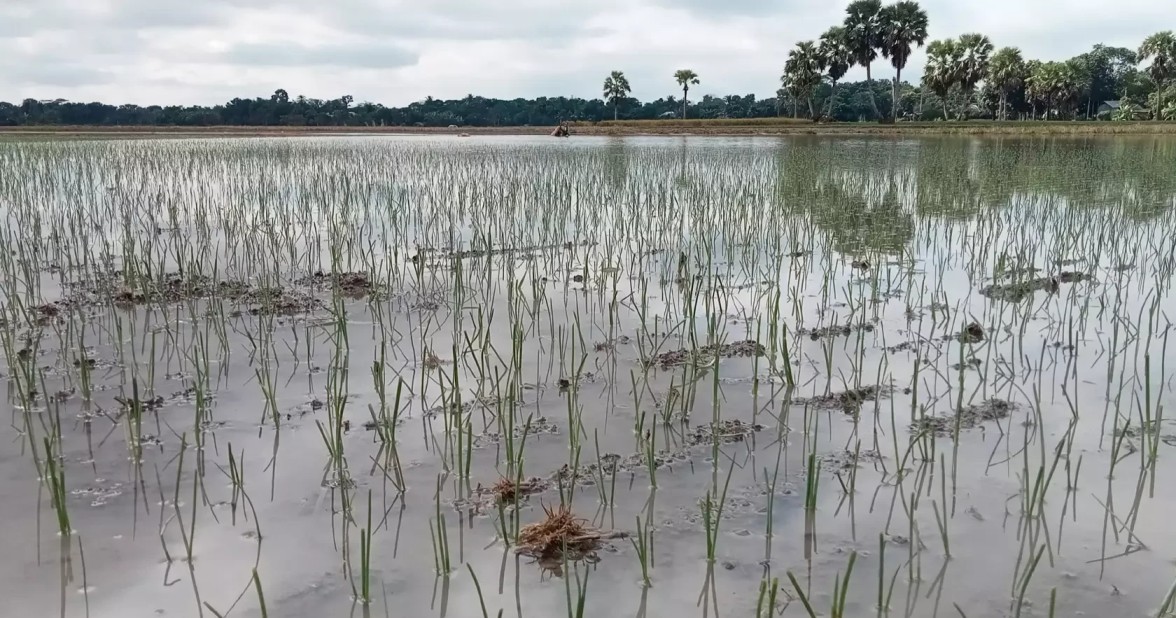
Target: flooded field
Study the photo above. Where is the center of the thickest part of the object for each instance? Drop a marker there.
(397, 376)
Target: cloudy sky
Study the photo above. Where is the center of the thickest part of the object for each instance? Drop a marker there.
(399, 51)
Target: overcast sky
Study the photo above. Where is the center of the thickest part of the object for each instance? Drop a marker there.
(398, 51)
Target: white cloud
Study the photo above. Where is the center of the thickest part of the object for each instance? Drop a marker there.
(398, 51)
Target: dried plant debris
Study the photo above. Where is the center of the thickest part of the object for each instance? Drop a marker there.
(848, 401)
(561, 536)
(681, 357)
(1020, 290)
(834, 330)
(968, 418)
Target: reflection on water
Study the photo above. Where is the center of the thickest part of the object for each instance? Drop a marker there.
(313, 377)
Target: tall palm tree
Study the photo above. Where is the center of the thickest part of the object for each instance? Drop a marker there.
(1006, 73)
(942, 72)
(616, 88)
(1160, 48)
(802, 73)
(863, 34)
(903, 24)
(836, 58)
(685, 78)
(976, 50)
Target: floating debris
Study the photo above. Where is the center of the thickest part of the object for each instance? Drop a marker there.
(835, 330)
(723, 432)
(678, 358)
(968, 418)
(849, 401)
(846, 459)
(1016, 292)
(972, 333)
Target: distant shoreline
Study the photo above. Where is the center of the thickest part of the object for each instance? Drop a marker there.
(717, 128)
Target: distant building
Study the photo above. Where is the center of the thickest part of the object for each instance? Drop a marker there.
(1107, 110)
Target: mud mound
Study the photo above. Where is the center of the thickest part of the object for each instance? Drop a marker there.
(849, 401)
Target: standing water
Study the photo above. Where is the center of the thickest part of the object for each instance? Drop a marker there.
(533, 377)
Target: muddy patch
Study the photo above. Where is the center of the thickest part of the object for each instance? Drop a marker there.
(968, 418)
(844, 460)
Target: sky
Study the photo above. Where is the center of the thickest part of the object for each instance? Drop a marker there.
(398, 51)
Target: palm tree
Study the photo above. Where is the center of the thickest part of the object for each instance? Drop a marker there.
(942, 72)
(616, 87)
(903, 24)
(863, 35)
(1160, 48)
(976, 50)
(685, 78)
(802, 73)
(1055, 84)
(836, 58)
(1006, 73)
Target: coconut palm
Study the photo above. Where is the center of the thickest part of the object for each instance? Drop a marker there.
(903, 24)
(942, 71)
(1160, 48)
(616, 88)
(1006, 73)
(685, 78)
(802, 72)
(836, 58)
(976, 50)
(863, 33)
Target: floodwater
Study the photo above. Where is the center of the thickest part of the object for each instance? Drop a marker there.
(748, 365)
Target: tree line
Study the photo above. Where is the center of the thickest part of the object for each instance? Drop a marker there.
(964, 77)
(967, 77)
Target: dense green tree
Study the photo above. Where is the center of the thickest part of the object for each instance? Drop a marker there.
(903, 24)
(835, 59)
(616, 88)
(802, 73)
(685, 79)
(1006, 73)
(863, 32)
(1055, 85)
(1160, 49)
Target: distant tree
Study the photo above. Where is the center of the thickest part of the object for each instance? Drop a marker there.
(943, 69)
(863, 32)
(903, 24)
(1160, 49)
(685, 79)
(1055, 85)
(280, 96)
(802, 73)
(616, 88)
(976, 50)
(835, 59)
(1006, 73)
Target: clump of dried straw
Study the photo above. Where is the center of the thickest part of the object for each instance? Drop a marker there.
(561, 535)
